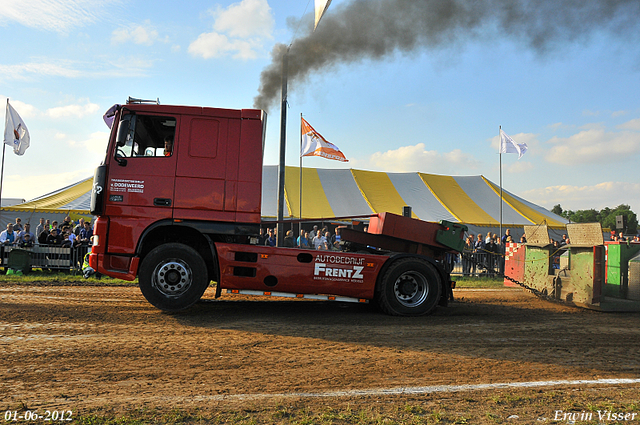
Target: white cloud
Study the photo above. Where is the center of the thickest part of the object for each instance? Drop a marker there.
(54, 15)
(77, 110)
(29, 185)
(520, 167)
(249, 18)
(594, 145)
(606, 194)
(22, 71)
(139, 34)
(132, 66)
(213, 45)
(25, 110)
(94, 147)
(416, 158)
(239, 30)
(631, 125)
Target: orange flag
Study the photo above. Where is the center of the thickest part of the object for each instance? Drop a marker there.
(313, 144)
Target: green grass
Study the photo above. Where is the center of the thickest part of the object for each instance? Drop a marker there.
(38, 276)
(478, 282)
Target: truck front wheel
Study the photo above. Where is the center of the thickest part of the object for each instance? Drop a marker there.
(173, 277)
(409, 287)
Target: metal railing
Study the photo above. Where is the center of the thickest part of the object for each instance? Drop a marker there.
(478, 264)
(49, 257)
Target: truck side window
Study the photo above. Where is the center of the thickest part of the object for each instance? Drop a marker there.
(153, 136)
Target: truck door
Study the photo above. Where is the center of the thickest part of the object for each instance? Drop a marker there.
(140, 183)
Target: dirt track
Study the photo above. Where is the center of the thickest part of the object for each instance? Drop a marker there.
(87, 348)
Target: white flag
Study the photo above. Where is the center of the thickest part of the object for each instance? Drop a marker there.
(16, 133)
(321, 7)
(508, 145)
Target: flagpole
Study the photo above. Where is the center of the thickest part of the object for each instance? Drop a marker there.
(300, 197)
(500, 150)
(2, 172)
(4, 146)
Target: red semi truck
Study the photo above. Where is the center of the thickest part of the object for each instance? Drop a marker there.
(178, 203)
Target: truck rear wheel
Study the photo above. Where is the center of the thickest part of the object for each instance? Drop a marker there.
(409, 287)
(173, 277)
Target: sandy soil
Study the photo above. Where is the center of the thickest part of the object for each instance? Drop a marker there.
(87, 348)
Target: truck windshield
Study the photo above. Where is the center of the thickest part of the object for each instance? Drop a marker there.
(148, 136)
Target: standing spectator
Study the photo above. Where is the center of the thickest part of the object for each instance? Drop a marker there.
(506, 235)
(271, 239)
(335, 240)
(47, 224)
(18, 226)
(319, 241)
(9, 236)
(302, 241)
(490, 248)
(500, 251)
(26, 232)
(69, 238)
(54, 237)
(466, 256)
(42, 237)
(79, 227)
(54, 225)
(478, 252)
(261, 237)
(40, 227)
(26, 241)
(288, 239)
(86, 233)
(67, 222)
(327, 241)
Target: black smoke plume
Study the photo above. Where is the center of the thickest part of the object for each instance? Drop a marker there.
(375, 29)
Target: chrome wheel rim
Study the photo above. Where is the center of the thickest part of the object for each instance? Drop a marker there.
(411, 289)
(172, 277)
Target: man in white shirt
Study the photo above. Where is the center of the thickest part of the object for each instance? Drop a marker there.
(8, 237)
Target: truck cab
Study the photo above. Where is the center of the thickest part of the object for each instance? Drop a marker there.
(172, 172)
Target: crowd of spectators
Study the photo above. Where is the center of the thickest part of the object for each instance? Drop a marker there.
(319, 239)
(47, 233)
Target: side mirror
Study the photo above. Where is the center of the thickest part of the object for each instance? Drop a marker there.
(123, 130)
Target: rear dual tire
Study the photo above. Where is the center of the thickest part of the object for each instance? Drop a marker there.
(409, 287)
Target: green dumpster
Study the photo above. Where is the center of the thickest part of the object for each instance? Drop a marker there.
(19, 260)
(618, 256)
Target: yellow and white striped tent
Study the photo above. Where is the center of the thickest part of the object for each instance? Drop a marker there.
(73, 200)
(326, 193)
(472, 200)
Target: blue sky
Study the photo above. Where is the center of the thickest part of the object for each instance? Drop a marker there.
(433, 109)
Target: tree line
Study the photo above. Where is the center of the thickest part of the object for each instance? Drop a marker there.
(606, 217)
